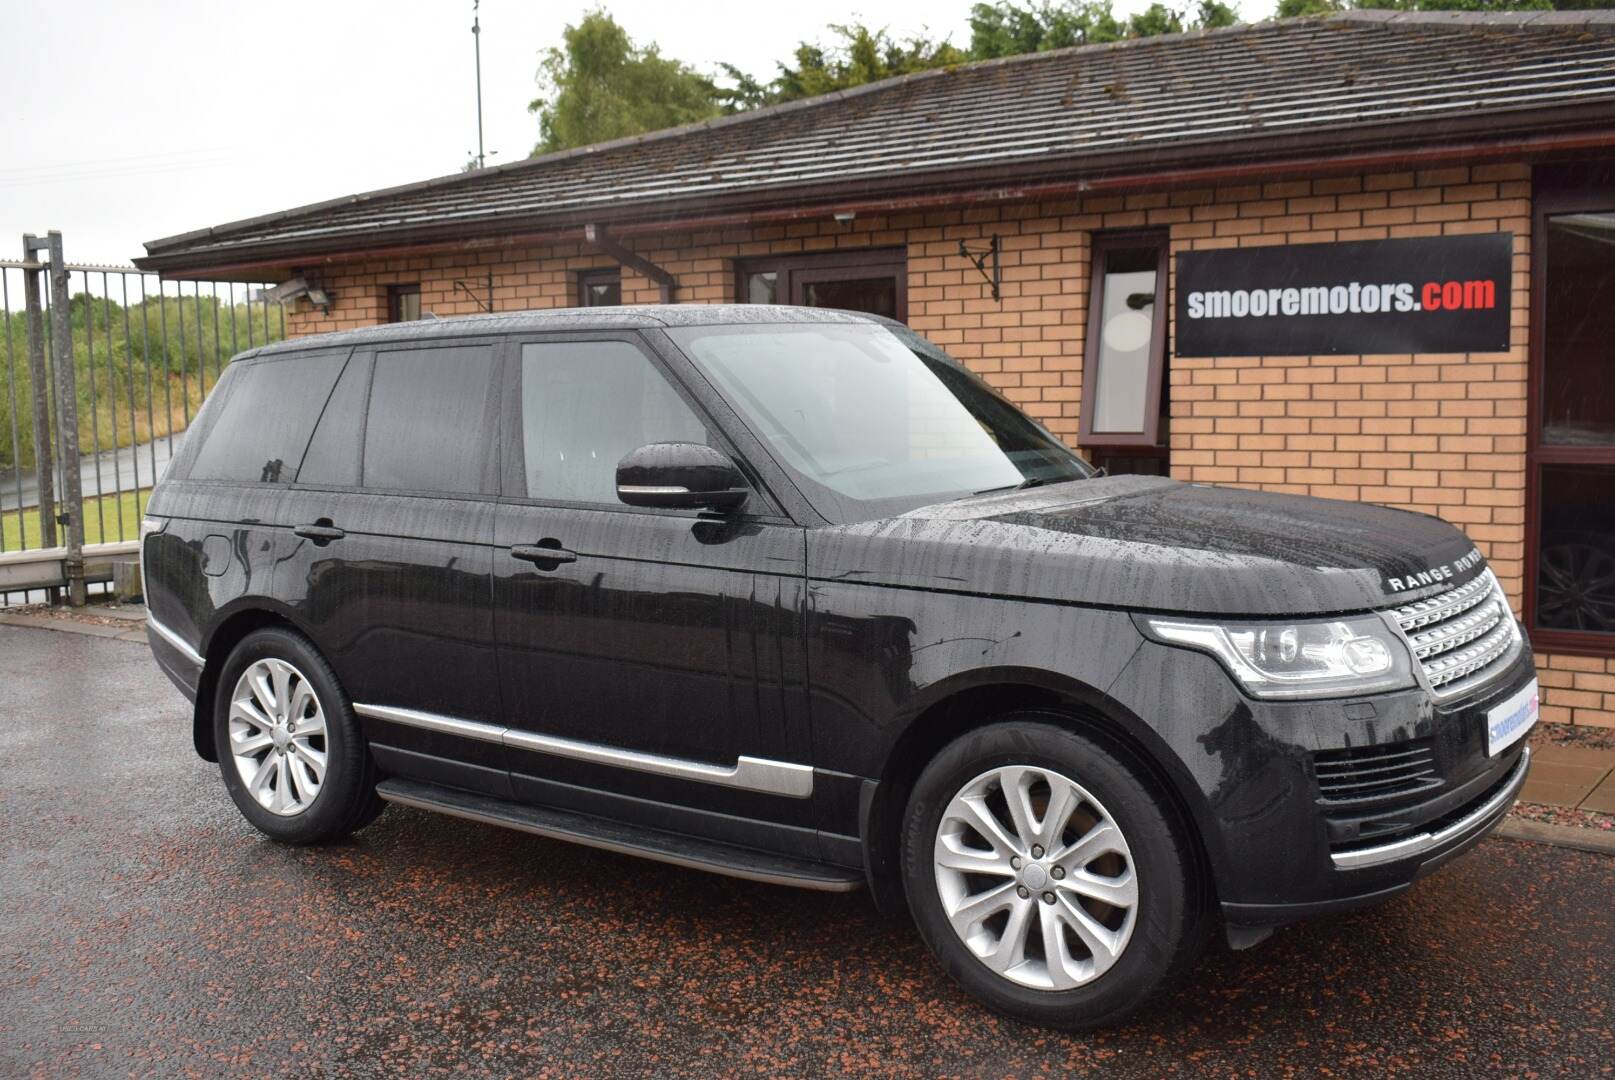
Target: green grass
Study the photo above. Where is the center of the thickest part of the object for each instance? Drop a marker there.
(100, 521)
(148, 364)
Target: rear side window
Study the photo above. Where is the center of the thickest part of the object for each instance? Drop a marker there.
(333, 452)
(263, 428)
(429, 425)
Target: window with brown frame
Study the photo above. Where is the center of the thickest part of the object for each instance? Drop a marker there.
(1570, 486)
(875, 281)
(403, 303)
(600, 288)
(1123, 421)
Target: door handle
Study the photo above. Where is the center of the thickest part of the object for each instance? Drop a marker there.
(322, 532)
(546, 551)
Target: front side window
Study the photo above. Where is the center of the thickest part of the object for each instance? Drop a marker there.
(873, 420)
(1573, 452)
(1124, 366)
(585, 406)
(428, 427)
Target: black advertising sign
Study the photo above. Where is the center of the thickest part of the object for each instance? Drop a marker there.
(1443, 294)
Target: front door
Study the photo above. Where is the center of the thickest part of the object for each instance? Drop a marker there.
(652, 666)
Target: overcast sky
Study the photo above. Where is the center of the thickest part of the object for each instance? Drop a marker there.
(126, 122)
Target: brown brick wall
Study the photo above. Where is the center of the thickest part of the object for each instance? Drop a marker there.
(1443, 434)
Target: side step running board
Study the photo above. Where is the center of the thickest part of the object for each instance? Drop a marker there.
(719, 858)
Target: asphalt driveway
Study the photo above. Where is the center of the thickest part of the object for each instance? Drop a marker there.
(146, 929)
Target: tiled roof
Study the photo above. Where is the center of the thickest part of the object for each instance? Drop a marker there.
(1367, 78)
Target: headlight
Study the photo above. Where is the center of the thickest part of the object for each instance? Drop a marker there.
(1325, 658)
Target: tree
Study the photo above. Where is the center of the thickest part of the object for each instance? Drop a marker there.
(857, 55)
(1289, 9)
(1005, 28)
(602, 86)
(1214, 15)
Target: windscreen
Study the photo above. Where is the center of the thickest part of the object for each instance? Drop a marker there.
(873, 420)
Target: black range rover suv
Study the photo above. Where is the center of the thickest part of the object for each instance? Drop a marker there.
(789, 594)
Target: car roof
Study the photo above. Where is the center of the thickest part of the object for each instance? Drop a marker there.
(627, 317)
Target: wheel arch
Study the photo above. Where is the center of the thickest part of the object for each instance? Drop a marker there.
(233, 624)
(973, 702)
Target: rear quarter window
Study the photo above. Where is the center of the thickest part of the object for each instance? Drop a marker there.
(266, 418)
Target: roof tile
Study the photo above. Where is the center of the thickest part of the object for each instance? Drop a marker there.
(1139, 104)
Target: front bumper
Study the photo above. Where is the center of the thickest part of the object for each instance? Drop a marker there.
(1292, 823)
(1470, 825)
(1410, 858)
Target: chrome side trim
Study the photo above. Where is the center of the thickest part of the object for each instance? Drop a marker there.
(448, 725)
(175, 640)
(748, 773)
(1410, 846)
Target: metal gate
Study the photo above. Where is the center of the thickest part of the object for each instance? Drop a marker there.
(103, 369)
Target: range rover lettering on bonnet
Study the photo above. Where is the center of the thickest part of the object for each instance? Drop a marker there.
(1444, 572)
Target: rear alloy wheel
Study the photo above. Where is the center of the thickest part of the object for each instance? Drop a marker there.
(277, 736)
(290, 749)
(1048, 876)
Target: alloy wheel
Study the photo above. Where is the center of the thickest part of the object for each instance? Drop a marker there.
(278, 736)
(1036, 877)
(1577, 587)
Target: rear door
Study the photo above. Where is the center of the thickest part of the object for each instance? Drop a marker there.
(653, 668)
(393, 514)
(225, 496)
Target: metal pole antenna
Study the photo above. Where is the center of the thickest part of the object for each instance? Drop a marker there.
(476, 37)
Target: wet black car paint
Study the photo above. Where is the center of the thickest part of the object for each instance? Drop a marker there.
(772, 633)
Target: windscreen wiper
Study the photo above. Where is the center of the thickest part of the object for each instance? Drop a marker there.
(1029, 482)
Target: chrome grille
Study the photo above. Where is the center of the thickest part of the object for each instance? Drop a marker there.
(1461, 637)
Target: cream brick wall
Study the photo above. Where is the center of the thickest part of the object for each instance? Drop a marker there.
(1438, 433)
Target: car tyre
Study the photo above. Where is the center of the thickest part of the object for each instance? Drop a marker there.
(1081, 931)
(290, 748)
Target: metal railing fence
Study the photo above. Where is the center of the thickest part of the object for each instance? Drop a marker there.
(101, 370)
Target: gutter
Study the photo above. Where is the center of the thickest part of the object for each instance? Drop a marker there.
(819, 202)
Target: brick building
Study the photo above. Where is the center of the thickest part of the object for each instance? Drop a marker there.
(1034, 216)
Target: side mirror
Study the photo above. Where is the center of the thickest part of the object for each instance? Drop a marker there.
(680, 476)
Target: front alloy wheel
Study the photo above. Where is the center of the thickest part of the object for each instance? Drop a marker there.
(1036, 877)
(1050, 873)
